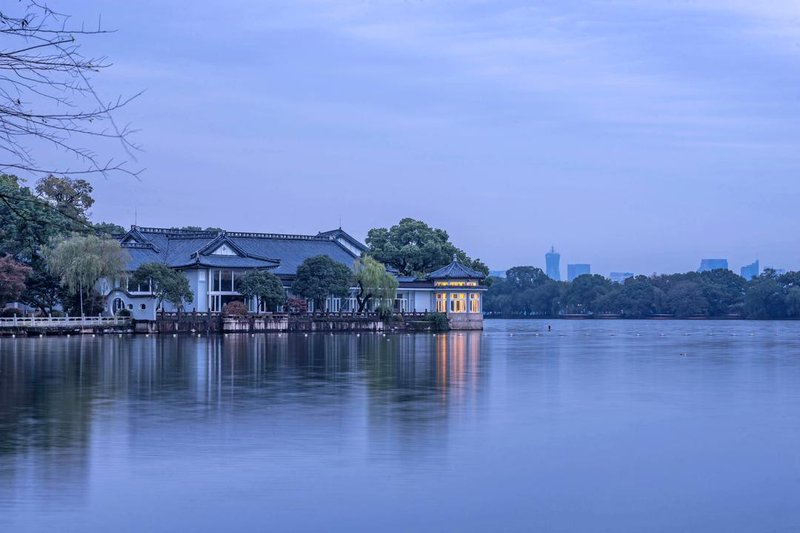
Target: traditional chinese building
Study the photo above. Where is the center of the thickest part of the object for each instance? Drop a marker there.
(212, 262)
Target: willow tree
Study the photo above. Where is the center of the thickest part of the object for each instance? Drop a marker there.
(81, 261)
(373, 281)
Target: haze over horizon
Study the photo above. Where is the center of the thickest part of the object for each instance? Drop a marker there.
(635, 138)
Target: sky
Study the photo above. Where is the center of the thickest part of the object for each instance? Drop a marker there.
(635, 136)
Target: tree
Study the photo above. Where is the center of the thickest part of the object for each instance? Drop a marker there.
(765, 298)
(415, 249)
(81, 261)
(265, 287)
(685, 298)
(373, 281)
(48, 99)
(70, 197)
(12, 279)
(319, 277)
(637, 298)
(582, 294)
(165, 283)
(108, 228)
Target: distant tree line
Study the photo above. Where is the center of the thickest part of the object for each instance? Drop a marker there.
(527, 291)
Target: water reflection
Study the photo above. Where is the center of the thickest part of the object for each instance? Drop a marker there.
(185, 390)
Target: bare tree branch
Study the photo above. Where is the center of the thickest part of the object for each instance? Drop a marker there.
(48, 103)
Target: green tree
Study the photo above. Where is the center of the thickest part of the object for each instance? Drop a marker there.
(415, 249)
(72, 198)
(80, 261)
(108, 228)
(637, 299)
(373, 281)
(685, 298)
(582, 294)
(765, 298)
(12, 279)
(265, 287)
(319, 277)
(166, 284)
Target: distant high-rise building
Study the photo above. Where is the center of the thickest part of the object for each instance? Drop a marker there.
(552, 259)
(712, 264)
(620, 277)
(579, 269)
(750, 271)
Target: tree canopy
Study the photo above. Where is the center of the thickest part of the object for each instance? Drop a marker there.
(166, 284)
(319, 277)
(715, 293)
(414, 248)
(12, 279)
(80, 261)
(373, 282)
(264, 286)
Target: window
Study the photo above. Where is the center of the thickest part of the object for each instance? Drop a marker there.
(144, 306)
(458, 302)
(455, 284)
(441, 302)
(117, 305)
(474, 302)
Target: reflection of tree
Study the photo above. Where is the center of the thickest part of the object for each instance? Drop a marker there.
(53, 391)
(415, 382)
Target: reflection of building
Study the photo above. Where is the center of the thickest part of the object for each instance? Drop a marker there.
(712, 264)
(552, 259)
(620, 277)
(213, 261)
(579, 269)
(750, 271)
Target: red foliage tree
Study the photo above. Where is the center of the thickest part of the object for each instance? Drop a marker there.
(12, 279)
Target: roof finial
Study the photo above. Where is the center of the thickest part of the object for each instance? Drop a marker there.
(455, 258)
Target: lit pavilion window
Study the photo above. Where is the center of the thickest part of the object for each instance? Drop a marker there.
(458, 302)
(441, 302)
(474, 302)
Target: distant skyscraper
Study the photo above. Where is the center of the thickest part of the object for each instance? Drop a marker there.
(552, 259)
(712, 264)
(750, 271)
(573, 271)
(620, 277)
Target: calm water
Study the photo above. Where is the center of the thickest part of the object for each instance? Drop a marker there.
(595, 426)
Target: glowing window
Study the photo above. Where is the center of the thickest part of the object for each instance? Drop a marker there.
(474, 302)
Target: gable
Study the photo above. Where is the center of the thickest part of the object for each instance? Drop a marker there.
(224, 249)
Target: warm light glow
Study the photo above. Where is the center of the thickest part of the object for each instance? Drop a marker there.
(474, 302)
(455, 284)
(458, 302)
(441, 302)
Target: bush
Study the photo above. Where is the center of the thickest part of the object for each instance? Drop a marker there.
(438, 321)
(11, 312)
(297, 305)
(235, 308)
(124, 313)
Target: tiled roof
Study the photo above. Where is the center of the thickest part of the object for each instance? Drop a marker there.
(455, 270)
(282, 253)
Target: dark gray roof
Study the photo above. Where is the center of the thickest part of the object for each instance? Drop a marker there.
(455, 270)
(281, 253)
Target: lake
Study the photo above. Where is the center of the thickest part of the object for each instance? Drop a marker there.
(593, 426)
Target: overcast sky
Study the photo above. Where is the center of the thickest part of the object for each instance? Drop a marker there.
(636, 136)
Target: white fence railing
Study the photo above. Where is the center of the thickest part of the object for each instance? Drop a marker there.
(62, 322)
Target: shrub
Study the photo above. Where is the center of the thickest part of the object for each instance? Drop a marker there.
(438, 321)
(124, 313)
(297, 305)
(11, 312)
(235, 308)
